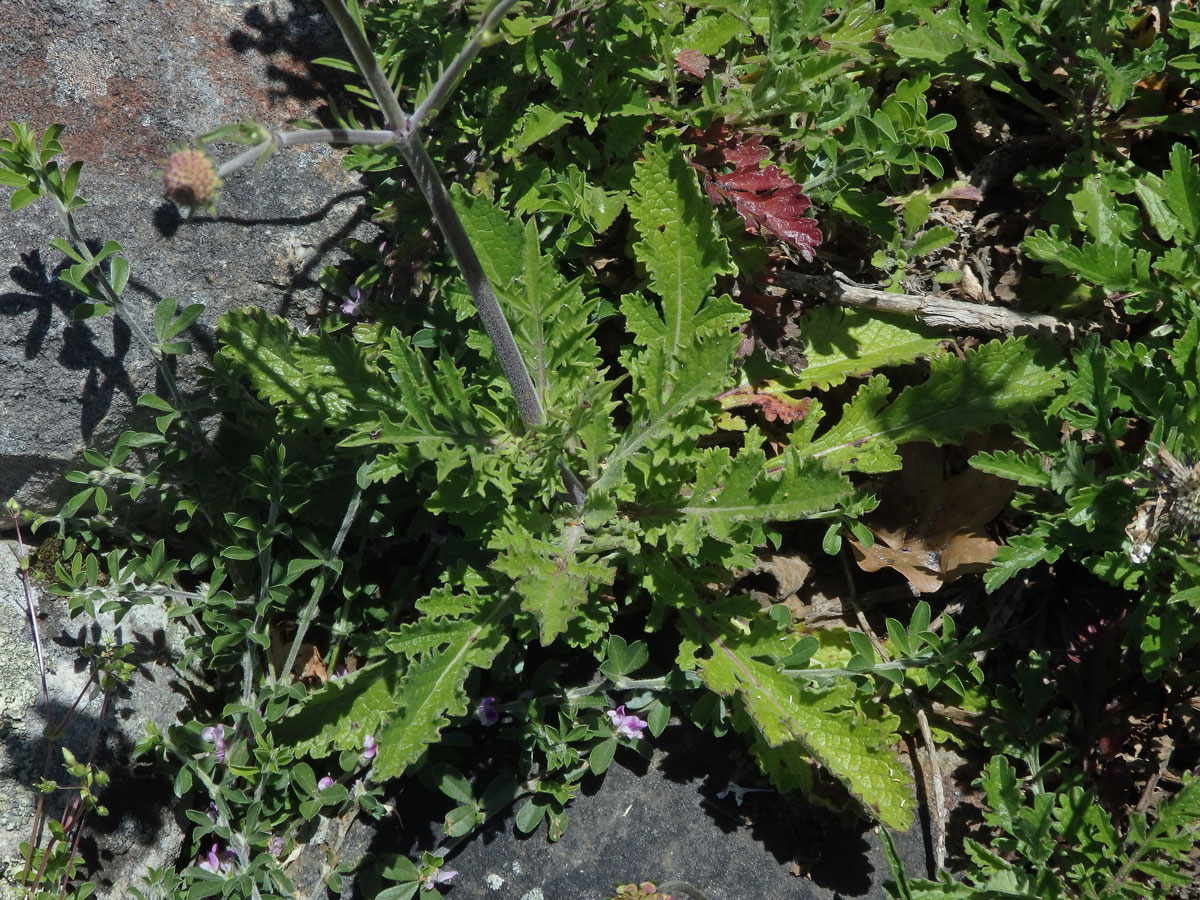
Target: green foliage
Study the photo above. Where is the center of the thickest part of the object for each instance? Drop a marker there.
(961, 396)
(1083, 501)
(1062, 842)
(374, 542)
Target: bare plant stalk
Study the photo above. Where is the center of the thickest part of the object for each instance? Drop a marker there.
(279, 139)
(409, 143)
(405, 135)
(449, 78)
(938, 312)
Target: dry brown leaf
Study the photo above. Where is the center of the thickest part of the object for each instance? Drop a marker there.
(308, 667)
(930, 528)
(774, 404)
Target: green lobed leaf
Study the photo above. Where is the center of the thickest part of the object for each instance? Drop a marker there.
(732, 498)
(552, 320)
(848, 343)
(1114, 267)
(993, 384)
(679, 246)
(324, 381)
(403, 702)
(552, 576)
(853, 747)
(1024, 468)
(1173, 201)
(1022, 551)
(671, 406)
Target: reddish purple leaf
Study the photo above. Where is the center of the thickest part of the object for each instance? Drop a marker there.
(766, 197)
(692, 61)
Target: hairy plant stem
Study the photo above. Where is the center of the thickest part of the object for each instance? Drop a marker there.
(406, 137)
(264, 568)
(277, 140)
(406, 133)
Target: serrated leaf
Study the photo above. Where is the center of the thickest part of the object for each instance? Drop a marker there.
(323, 380)
(539, 122)
(932, 239)
(671, 405)
(1024, 468)
(847, 343)
(1173, 201)
(766, 197)
(403, 702)
(551, 319)
(851, 746)
(679, 244)
(1114, 267)
(990, 385)
(1021, 552)
(552, 576)
(732, 498)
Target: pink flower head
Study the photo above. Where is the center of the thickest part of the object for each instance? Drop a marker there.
(369, 748)
(217, 862)
(351, 304)
(486, 711)
(439, 876)
(324, 783)
(627, 726)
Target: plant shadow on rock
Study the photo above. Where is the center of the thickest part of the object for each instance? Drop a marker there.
(80, 350)
(806, 838)
(136, 801)
(291, 41)
(654, 842)
(168, 221)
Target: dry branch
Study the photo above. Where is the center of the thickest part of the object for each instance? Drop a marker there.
(937, 312)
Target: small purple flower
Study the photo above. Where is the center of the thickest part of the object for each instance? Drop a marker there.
(324, 783)
(215, 735)
(217, 862)
(369, 749)
(275, 845)
(627, 726)
(439, 876)
(351, 304)
(211, 812)
(486, 711)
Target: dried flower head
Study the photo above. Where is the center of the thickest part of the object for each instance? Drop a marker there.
(190, 179)
(1175, 508)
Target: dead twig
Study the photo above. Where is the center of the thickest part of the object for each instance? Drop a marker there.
(937, 312)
